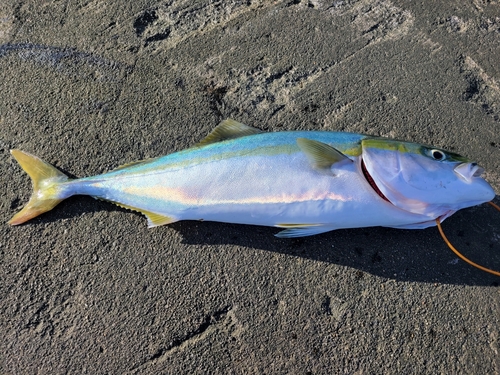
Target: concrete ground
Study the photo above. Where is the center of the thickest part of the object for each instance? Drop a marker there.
(90, 85)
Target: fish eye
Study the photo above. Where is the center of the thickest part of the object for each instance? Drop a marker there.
(438, 155)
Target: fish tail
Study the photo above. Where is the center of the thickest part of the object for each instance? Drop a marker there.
(46, 181)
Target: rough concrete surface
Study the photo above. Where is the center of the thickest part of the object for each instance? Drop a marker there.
(88, 85)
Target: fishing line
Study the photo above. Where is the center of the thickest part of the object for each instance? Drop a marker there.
(496, 273)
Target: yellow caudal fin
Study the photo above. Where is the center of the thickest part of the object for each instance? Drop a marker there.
(46, 180)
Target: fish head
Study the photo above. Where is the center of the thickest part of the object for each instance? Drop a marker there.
(422, 179)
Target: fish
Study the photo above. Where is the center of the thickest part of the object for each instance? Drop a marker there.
(304, 182)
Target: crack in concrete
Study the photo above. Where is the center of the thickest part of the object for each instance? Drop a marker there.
(210, 323)
(482, 89)
(268, 89)
(174, 22)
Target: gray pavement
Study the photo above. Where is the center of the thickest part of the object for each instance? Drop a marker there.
(91, 85)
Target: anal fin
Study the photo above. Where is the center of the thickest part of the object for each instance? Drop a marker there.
(301, 230)
(154, 219)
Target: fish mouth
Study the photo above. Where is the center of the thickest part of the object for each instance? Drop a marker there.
(468, 171)
(371, 181)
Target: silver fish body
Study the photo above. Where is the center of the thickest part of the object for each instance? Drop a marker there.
(305, 182)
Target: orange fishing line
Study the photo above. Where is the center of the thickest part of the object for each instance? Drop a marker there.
(496, 273)
(494, 205)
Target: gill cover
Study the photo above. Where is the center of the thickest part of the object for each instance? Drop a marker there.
(422, 179)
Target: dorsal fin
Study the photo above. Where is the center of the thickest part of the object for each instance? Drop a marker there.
(133, 164)
(319, 154)
(228, 129)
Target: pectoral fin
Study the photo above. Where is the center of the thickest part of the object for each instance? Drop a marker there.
(422, 225)
(301, 230)
(319, 154)
(228, 129)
